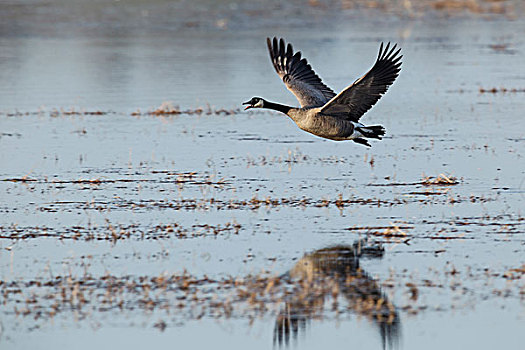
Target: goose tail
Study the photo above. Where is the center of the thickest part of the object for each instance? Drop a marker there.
(368, 132)
(372, 131)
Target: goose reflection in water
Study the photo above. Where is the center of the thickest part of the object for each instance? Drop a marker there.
(333, 273)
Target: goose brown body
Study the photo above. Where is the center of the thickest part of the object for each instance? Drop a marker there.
(312, 120)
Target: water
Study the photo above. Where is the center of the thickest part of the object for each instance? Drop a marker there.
(126, 194)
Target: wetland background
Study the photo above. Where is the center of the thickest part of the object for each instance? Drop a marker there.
(140, 206)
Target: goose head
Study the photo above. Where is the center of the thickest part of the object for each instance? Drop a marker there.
(255, 102)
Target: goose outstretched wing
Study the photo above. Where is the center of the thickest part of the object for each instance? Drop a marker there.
(358, 98)
(298, 75)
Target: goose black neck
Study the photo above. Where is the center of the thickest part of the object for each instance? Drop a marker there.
(277, 107)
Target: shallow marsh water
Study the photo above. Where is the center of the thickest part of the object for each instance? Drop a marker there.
(154, 229)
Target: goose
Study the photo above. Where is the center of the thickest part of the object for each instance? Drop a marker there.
(322, 112)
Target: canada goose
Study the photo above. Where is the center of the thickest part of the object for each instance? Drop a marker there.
(322, 112)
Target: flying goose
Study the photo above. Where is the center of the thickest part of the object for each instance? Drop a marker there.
(322, 112)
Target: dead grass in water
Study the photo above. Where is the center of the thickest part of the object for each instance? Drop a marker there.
(184, 296)
(394, 233)
(190, 178)
(441, 180)
(255, 203)
(118, 232)
(412, 8)
(501, 90)
(168, 109)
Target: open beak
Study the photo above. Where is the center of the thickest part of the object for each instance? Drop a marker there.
(249, 105)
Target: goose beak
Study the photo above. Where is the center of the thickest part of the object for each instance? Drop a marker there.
(249, 105)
